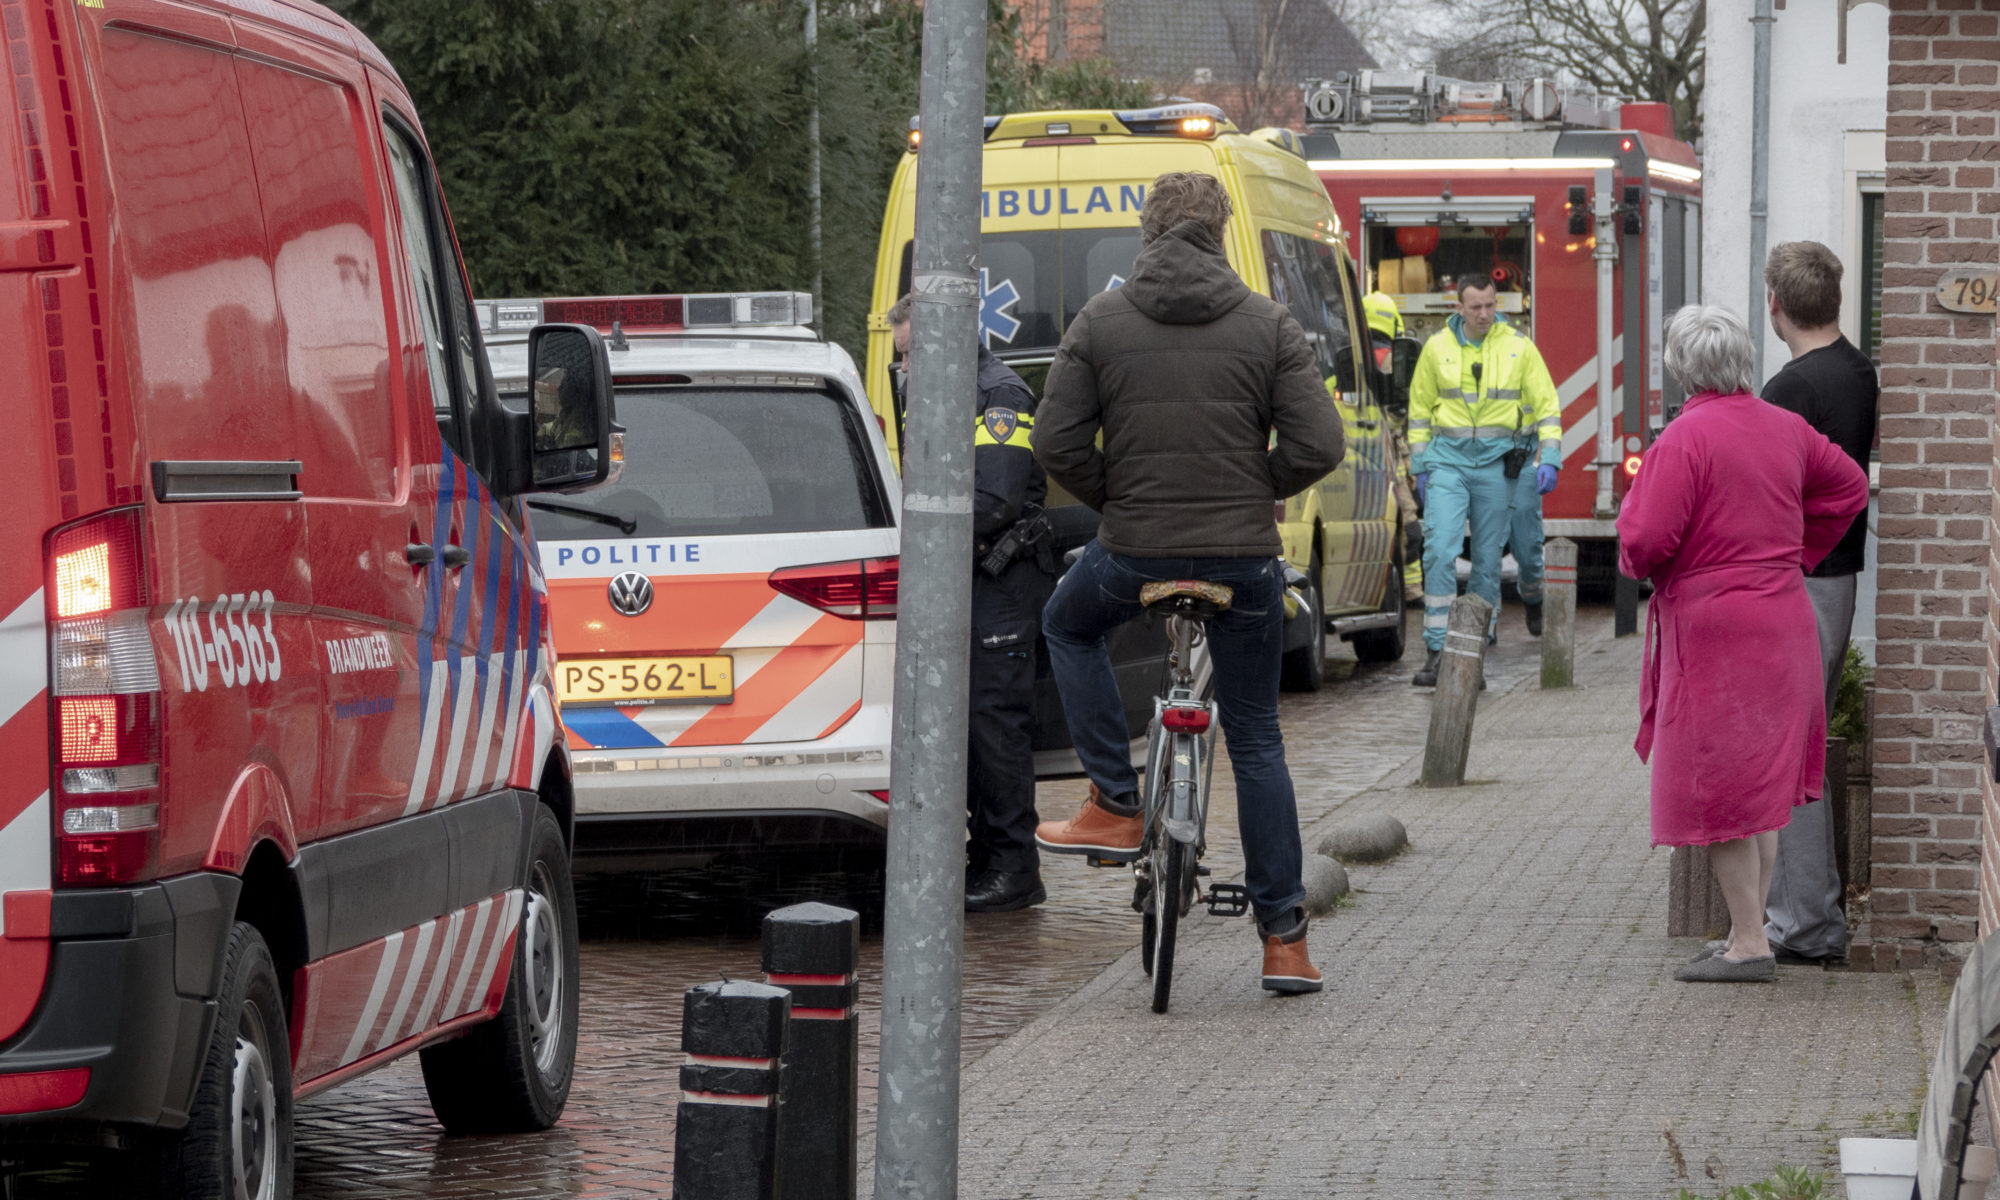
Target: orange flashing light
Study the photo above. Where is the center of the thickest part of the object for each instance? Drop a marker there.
(83, 580)
(89, 729)
(1631, 465)
(1198, 126)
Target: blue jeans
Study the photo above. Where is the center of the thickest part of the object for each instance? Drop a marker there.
(1100, 593)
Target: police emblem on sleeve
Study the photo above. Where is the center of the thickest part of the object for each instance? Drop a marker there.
(1001, 423)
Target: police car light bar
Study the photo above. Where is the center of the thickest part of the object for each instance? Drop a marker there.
(642, 314)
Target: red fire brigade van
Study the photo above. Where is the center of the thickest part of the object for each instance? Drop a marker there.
(1588, 216)
(285, 794)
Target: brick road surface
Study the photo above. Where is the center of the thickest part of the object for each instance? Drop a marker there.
(1500, 1017)
(649, 938)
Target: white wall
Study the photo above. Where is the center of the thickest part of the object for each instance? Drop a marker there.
(1826, 144)
(1816, 102)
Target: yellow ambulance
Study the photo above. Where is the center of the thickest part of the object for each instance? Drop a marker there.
(1059, 210)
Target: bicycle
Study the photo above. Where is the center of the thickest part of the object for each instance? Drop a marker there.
(1175, 786)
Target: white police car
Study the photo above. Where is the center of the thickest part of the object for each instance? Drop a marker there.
(723, 608)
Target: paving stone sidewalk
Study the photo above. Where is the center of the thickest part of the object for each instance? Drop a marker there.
(1500, 1018)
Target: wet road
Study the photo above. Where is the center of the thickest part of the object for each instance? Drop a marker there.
(647, 938)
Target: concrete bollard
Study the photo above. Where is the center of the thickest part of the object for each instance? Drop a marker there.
(1459, 675)
(731, 1112)
(1558, 613)
(811, 950)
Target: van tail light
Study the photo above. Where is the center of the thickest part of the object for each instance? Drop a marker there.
(862, 589)
(105, 690)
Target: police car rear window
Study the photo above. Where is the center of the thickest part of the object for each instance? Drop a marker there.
(733, 461)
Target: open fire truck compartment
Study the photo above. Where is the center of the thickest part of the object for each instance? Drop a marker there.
(1585, 211)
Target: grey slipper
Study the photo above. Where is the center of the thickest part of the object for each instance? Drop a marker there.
(1711, 947)
(1718, 969)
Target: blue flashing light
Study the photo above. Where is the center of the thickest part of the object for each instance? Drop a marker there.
(1189, 119)
(916, 136)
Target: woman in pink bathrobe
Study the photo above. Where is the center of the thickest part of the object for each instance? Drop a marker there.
(1736, 499)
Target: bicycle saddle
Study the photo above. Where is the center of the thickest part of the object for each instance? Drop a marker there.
(1190, 597)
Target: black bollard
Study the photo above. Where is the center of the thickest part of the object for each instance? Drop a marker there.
(731, 1112)
(811, 949)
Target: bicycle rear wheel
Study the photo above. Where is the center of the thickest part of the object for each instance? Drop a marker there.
(1173, 878)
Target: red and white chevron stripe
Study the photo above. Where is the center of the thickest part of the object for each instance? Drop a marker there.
(360, 1003)
(25, 831)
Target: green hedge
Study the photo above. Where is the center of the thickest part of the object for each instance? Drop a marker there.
(610, 146)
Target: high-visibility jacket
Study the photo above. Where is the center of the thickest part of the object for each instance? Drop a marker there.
(1456, 420)
(1383, 317)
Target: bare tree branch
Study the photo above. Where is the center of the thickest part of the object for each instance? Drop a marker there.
(1637, 49)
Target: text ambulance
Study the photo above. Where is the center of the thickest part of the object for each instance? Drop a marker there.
(1060, 204)
(286, 796)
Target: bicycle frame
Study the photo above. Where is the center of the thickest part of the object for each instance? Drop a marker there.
(1179, 764)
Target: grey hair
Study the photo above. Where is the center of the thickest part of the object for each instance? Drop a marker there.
(1708, 350)
(899, 312)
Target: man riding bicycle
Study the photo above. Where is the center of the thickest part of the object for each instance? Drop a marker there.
(1186, 373)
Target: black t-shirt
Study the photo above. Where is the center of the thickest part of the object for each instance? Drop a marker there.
(1834, 389)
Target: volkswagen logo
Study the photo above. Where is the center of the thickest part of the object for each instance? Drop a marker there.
(631, 593)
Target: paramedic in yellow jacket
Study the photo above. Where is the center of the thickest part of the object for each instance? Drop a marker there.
(1481, 391)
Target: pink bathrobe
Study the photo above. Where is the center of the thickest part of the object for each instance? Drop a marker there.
(1735, 500)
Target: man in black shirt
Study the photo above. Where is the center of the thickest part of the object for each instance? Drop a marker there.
(1832, 385)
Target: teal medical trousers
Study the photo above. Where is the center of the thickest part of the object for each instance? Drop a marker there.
(1524, 534)
(1454, 497)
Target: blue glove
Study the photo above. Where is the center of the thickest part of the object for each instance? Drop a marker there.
(1545, 479)
(1418, 482)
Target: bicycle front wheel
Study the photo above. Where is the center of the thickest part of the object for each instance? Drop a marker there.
(1173, 876)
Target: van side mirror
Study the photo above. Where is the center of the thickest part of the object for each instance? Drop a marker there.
(569, 415)
(1343, 368)
(1403, 355)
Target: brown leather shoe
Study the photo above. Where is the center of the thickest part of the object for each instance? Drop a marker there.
(1287, 970)
(1093, 830)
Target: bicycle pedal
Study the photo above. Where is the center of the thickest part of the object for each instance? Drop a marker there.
(1228, 900)
(1093, 860)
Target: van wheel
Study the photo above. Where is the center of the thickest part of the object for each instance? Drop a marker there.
(1304, 669)
(512, 1074)
(1376, 646)
(238, 1140)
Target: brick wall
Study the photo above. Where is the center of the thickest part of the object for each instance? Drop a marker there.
(1061, 29)
(1933, 648)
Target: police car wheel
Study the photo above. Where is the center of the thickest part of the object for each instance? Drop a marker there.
(238, 1139)
(513, 1073)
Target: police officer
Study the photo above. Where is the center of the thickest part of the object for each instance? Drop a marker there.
(1481, 405)
(1012, 569)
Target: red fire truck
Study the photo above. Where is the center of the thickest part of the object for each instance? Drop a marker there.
(1586, 213)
